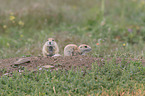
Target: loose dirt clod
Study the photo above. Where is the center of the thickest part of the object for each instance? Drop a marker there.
(47, 66)
(22, 61)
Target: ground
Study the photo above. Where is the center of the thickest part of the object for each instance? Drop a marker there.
(60, 62)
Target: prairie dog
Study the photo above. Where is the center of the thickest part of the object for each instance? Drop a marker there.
(72, 49)
(50, 48)
(83, 48)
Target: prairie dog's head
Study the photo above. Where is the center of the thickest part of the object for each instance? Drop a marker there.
(50, 42)
(83, 48)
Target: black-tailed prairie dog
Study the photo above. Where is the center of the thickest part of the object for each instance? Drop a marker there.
(83, 48)
(73, 50)
(50, 48)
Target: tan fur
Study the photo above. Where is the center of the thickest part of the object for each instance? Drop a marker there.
(83, 48)
(73, 50)
(70, 50)
(50, 48)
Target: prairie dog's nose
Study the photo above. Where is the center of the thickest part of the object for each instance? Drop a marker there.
(50, 43)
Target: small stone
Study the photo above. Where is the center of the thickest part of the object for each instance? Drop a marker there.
(56, 55)
(40, 68)
(21, 71)
(56, 69)
(47, 66)
(22, 61)
(6, 74)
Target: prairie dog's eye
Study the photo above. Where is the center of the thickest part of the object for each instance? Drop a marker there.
(52, 40)
(85, 46)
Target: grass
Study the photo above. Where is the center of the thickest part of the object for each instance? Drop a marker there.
(97, 20)
(117, 25)
(111, 79)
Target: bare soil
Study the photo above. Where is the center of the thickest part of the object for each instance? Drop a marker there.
(64, 63)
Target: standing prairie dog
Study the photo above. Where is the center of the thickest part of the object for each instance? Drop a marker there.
(50, 48)
(72, 49)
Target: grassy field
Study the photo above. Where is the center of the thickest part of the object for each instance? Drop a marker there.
(113, 28)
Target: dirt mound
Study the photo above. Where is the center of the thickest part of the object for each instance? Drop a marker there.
(35, 63)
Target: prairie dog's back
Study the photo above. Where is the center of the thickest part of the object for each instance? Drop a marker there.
(70, 50)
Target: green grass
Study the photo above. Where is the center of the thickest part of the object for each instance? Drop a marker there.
(84, 22)
(110, 78)
(111, 23)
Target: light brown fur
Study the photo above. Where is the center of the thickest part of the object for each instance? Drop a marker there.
(50, 48)
(83, 48)
(73, 50)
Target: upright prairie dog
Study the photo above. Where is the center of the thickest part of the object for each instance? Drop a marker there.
(73, 50)
(50, 48)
